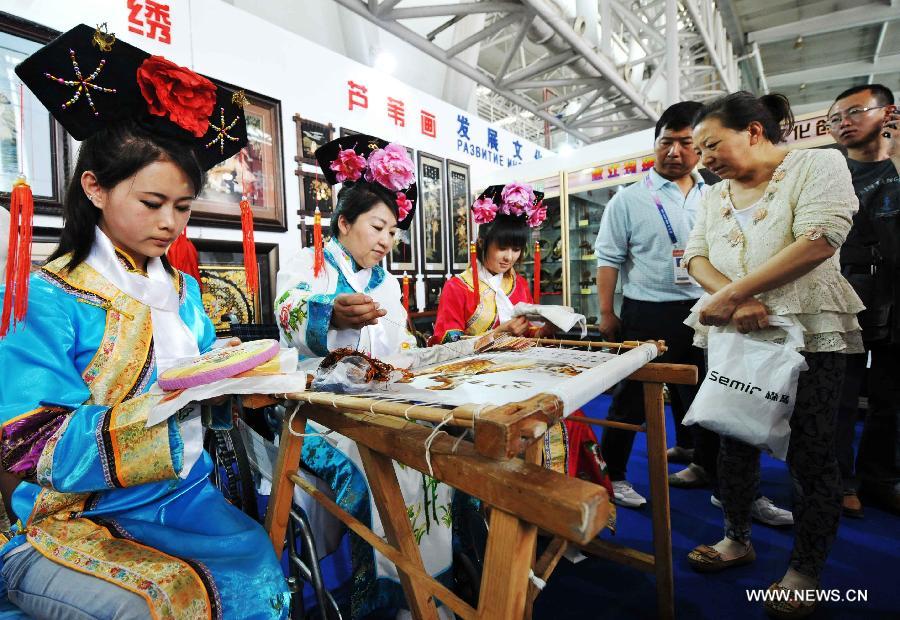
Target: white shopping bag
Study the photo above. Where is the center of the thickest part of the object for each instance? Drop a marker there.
(750, 387)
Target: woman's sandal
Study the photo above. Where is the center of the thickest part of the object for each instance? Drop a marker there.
(705, 559)
(786, 605)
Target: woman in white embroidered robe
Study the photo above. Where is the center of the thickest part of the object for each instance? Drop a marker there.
(354, 302)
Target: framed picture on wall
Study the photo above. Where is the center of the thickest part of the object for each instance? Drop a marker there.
(225, 283)
(43, 243)
(257, 172)
(403, 254)
(310, 136)
(433, 207)
(31, 141)
(459, 194)
(315, 192)
(225, 293)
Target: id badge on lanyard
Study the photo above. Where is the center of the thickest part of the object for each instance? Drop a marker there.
(680, 273)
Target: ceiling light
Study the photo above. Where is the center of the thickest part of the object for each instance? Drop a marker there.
(385, 62)
(798, 43)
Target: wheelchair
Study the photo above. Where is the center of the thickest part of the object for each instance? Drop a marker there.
(246, 452)
(238, 464)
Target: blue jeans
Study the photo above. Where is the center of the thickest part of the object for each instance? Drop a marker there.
(44, 589)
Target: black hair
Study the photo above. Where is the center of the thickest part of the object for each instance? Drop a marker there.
(115, 154)
(677, 116)
(882, 93)
(737, 110)
(354, 199)
(506, 231)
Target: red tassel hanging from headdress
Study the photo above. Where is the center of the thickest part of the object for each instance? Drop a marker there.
(250, 267)
(318, 249)
(473, 263)
(405, 292)
(18, 260)
(537, 272)
(183, 256)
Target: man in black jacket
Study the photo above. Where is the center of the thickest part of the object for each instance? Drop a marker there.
(864, 120)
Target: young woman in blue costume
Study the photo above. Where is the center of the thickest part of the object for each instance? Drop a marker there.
(114, 519)
(351, 301)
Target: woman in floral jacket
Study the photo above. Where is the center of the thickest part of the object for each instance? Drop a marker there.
(766, 243)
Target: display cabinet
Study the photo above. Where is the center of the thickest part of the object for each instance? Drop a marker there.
(587, 192)
(550, 237)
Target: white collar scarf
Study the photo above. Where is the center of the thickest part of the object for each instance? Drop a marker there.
(172, 340)
(359, 280)
(495, 281)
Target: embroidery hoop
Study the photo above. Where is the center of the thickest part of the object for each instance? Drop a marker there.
(218, 364)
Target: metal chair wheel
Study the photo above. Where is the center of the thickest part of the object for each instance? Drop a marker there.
(231, 472)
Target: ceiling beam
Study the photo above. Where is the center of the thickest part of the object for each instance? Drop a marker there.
(440, 10)
(384, 6)
(712, 48)
(601, 63)
(600, 114)
(360, 7)
(468, 42)
(878, 44)
(865, 15)
(556, 83)
(514, 49)
(827, 73)
(539, 66)
(566, 97)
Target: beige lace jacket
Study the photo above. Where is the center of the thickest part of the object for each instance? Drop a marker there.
(810, 194)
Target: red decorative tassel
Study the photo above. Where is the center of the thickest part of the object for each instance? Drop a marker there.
(537, 272)
(183, 256)
(250, 267)
(473, 263)
(406, 292)
(318, 248)
(18, 261)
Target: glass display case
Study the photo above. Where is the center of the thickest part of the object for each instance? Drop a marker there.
(550, 237)
(588, 191)
(585, 208)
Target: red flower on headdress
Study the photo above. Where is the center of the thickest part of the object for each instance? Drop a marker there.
(404, 206)
(348, 165)
(178, 93)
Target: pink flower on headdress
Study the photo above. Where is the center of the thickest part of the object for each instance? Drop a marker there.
(404, 206)
(536, 215)
(391, 167)
(517, 198)
(348, 165)
(484, 211)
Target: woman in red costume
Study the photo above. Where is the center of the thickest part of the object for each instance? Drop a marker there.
(505, 215)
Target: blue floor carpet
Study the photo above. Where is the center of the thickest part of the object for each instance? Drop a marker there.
(865, 557)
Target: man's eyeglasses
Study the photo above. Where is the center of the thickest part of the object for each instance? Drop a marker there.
(854, 114)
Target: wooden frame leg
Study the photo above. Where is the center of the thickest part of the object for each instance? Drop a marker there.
(507, 563)
(392, 509)
(279, 510)
(655, 412)
(534, 454)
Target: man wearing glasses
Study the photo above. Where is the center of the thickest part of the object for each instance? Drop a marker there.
(864, 120)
